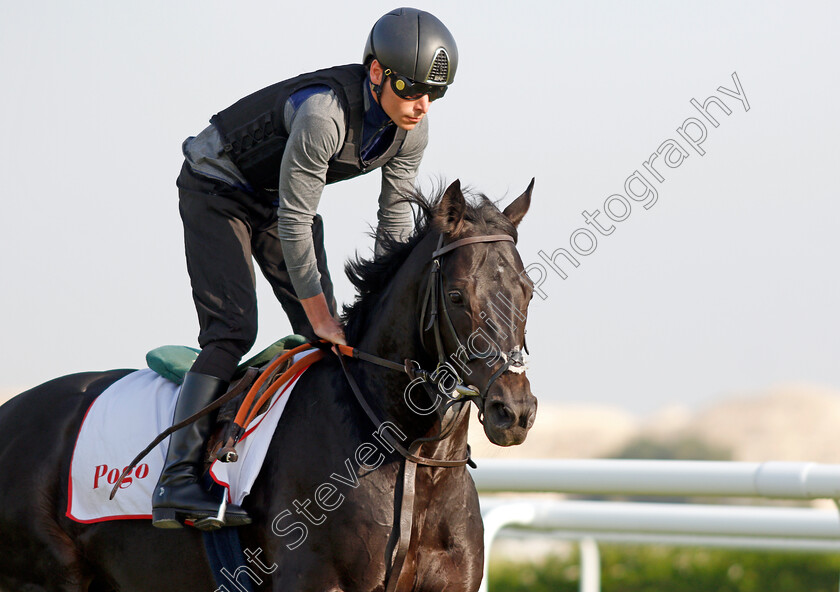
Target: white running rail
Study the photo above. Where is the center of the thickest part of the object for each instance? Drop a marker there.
(791, 480)
(702, 525)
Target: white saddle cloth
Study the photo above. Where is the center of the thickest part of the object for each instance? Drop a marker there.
(122, 421)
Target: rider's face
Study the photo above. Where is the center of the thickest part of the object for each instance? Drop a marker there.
(403, 112)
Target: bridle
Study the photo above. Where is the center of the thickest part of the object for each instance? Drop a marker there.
(448, 384)
(438, 314)
(433, 316)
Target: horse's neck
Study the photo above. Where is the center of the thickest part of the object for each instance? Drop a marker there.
(393, 334)
(454, 445)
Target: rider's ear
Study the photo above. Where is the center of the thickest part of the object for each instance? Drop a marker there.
(517, 210)
(449, 213)
(376, 71)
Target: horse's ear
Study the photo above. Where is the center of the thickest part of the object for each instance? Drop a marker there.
(449, 213)
(517, 210)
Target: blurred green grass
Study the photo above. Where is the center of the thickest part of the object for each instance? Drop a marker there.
(675, 569)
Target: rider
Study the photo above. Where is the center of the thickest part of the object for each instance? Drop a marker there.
(250, 186)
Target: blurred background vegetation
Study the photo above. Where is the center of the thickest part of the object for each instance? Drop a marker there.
(650, 568)
(673, 448)
(669, 569)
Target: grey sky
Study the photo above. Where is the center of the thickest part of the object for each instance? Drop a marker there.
(724, 284)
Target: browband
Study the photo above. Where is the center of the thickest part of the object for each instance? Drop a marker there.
(488, 238)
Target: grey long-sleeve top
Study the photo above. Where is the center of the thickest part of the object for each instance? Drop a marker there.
(316, 134)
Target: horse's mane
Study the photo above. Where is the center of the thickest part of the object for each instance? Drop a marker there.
(372, 276)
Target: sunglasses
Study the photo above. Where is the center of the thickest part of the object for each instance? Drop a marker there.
(406, 88)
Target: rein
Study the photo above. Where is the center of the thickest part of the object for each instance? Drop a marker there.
(434, 296)
(434, 288)
(342, 352)
(234, 392)
(433, 314)
(266, 384)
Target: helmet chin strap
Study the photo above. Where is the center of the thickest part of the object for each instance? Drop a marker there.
(377, 90)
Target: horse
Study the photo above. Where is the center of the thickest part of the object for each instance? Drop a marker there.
(354, 495)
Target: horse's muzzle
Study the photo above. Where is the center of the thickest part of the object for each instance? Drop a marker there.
(509, 411)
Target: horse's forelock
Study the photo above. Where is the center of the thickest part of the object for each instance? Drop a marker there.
(372, 276)
(486, 218)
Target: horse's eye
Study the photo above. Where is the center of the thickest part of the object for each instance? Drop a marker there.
(455, 297)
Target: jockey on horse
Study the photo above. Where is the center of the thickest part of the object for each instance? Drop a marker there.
(250, 187)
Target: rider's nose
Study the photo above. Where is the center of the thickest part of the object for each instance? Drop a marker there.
(422, 104)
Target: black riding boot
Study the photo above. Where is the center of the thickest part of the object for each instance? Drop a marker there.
(178, 495)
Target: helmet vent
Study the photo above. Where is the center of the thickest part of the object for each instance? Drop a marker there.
(439, 72)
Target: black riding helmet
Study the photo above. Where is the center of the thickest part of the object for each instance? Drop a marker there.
(417, 51)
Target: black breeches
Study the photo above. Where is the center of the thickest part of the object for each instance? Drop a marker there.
(225, 229)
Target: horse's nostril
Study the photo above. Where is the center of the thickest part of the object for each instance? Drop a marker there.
(501, 415)
(526, 420)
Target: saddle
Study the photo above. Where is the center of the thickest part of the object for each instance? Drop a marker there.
(174, 361)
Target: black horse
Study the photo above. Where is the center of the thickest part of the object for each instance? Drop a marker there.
(336, 507)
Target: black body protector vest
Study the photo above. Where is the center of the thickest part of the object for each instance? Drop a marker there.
(255, 136)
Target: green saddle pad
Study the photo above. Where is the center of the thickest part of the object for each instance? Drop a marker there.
(173, 361)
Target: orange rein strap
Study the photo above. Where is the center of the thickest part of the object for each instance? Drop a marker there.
(281, 381)
(248, 410)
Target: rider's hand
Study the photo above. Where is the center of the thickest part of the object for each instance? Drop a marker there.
(332, 331)
(323, 323)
